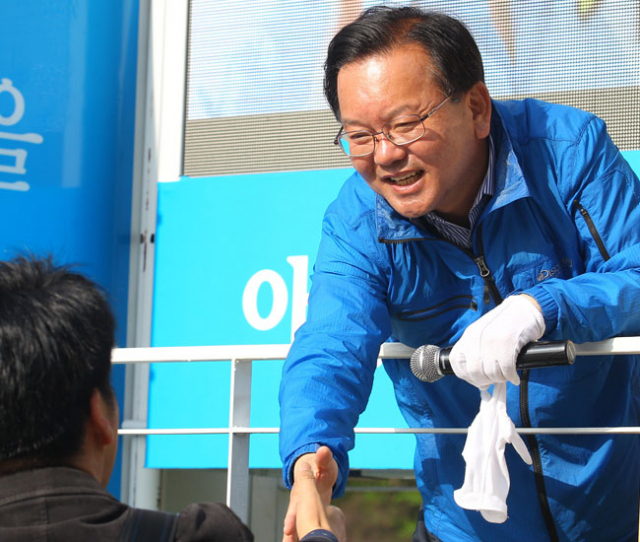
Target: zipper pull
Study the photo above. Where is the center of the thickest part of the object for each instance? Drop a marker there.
(485, 273)
(482, 267)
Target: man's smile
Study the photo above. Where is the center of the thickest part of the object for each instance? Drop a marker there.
(404, 180)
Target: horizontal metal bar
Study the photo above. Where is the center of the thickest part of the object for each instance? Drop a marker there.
(201, 431)
(253, 352)
(522, 430)
(379, 489)
(387, 430)
(164, 354)
(617, 346)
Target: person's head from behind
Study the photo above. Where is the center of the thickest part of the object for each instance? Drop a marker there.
(57, 406)
(415, 78)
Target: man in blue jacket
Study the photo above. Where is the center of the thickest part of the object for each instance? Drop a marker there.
(483, 225)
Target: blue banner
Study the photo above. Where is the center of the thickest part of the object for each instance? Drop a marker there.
(67, 109)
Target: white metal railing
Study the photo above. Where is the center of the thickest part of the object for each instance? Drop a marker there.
(239, 429)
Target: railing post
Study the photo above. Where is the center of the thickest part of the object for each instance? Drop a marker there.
(238, 459)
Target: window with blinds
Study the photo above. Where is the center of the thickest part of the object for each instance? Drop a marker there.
(254, 72)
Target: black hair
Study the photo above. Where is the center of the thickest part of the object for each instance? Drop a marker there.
(56, 336)
(457, 63)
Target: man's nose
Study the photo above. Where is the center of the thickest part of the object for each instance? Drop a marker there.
(386, 152)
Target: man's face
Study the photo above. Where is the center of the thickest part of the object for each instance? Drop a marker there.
(441, 171)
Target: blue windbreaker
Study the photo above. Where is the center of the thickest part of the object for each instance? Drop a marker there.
(563, 227)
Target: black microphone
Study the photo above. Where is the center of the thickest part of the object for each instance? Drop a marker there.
(430, 363)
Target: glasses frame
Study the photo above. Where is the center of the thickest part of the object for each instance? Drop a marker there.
(341, 132)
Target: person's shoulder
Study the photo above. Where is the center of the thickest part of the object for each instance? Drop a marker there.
(532, 119)
(354, 202)
(211, 522)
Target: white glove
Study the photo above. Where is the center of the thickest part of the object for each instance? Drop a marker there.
(487, 351)
(486, 479)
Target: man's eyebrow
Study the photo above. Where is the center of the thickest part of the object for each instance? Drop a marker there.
(399, 111)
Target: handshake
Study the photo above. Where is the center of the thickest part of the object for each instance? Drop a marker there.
(310, 516)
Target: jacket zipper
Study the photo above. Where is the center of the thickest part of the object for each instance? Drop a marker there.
(592, 229)
(490, 288)
(534, 449)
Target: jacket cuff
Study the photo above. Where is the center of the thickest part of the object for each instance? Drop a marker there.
(287, 469)
(319, 535)
(548, 306)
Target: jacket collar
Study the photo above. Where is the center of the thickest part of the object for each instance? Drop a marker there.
(46, 481)
(510, 185)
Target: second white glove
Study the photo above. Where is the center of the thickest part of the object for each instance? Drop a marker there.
(487, 351)
(486, 479)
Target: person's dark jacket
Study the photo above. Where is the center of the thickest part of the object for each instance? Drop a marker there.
(66, 504)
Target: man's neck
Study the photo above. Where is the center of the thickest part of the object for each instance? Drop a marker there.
(460, 214)
(459, 219)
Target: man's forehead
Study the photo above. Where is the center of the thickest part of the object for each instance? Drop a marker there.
(424, 61)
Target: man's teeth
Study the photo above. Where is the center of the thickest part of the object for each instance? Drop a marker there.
(406, 180)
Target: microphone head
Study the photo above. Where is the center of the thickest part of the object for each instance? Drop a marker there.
(424, 363)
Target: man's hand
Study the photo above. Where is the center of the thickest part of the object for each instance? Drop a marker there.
(312, 512)
(305, 497)
(488, 349)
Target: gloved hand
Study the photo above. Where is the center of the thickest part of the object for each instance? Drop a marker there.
(486, 479)
(487, 351)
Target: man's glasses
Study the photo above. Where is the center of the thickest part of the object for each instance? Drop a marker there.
(400, 131)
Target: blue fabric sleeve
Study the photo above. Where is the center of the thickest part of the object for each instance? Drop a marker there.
(328, 375)
(608, 292)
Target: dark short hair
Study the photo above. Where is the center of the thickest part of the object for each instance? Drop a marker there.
(56, 336)
(457, 62)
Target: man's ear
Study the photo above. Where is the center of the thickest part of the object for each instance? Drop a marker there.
(479, 102)
(101, 420)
